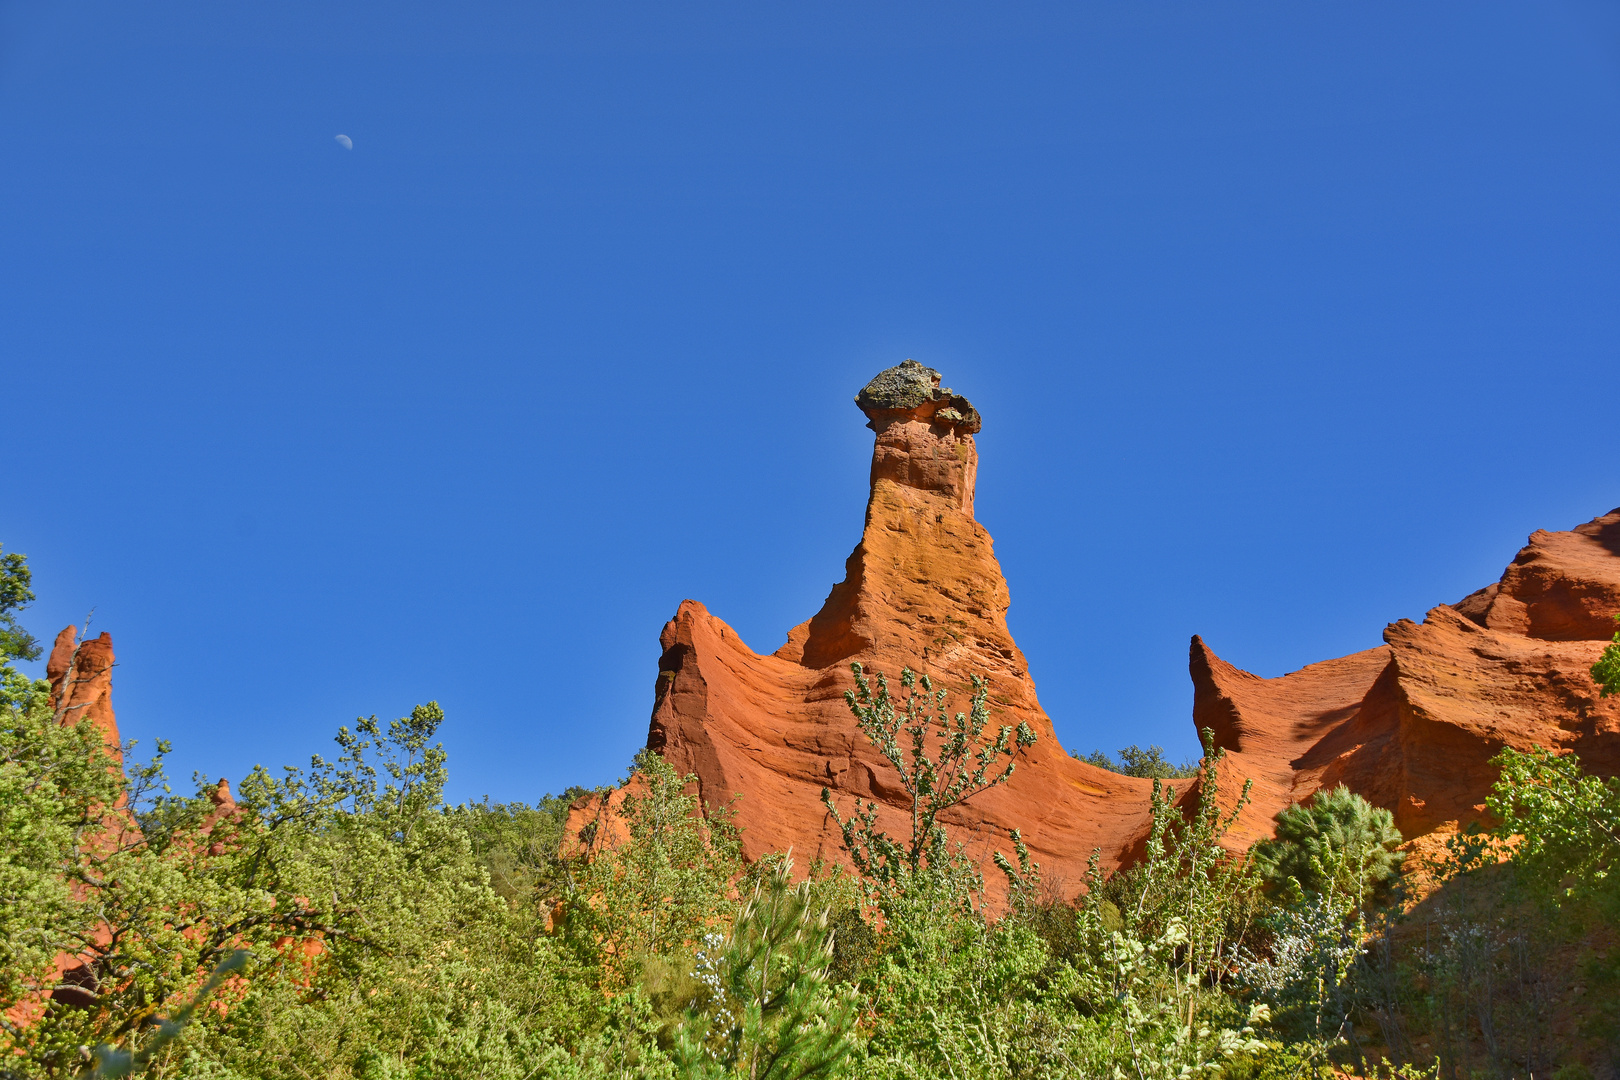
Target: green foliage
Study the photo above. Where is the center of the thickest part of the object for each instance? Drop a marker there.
(1187, 874)
(1336, 845)
(19, 695)
(1606, 672)
(112, 1062)
(1508, 981)
(16, 593)
(1157, 939)
(671, 883)
(367, 919)
(1567, 824)
(957, 995)
(1331, 865)
(770, 1011)
(518, 845)
(56, 785)
(1131, 986)
(1149, 764)
(944, 762)
(369, 932)
(360, 853)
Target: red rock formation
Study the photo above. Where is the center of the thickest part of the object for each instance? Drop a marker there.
(1267, 725)
(81, 684)
(1412, 726)
(80, 675)
(921, 590)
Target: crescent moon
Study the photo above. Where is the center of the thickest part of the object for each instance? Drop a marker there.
(345, 142)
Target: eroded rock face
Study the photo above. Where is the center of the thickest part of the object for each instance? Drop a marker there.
(1267, 726)
(921, 590)
(1411, 724)
(1562, 586)
(80, 675)
(81, 683)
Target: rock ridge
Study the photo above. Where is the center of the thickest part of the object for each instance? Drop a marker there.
(1410, 724)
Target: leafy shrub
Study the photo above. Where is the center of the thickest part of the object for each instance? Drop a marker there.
(658, 893)
(1606, 672)
(1158, 938)
(1566, 824)
(943, 762)
(381, 934)
(1336, 844)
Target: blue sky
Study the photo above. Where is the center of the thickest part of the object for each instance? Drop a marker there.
(1286, 321)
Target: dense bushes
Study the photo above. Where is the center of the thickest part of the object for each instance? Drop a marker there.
(359, 928)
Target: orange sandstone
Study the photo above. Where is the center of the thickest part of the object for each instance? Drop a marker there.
(921, 590)
(1411, 724)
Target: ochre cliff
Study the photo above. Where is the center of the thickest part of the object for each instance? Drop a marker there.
(80, 675)
(921, 590)
(1411, 725)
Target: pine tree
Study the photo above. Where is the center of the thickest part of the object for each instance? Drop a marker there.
(771, 1011)
(1337, 843)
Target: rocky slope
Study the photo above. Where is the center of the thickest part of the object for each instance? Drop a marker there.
(1411, 725)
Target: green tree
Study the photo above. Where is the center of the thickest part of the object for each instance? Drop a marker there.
(18, 693)
(942, 762)
(422, 969)
(1332, 865)
(520, 845)
(1548, 874)
(1149, 764)
(113, 1063)
(770, 1011)
(667, 884)
(1560, 825)
(57, 785)
(16, 593)
(955, 994)
(1336, 842)
(1606, 672)
(1159, 935)
(366, 919)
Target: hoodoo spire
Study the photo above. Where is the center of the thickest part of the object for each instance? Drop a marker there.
(921, 590)
(924, 433)
(1406, 724)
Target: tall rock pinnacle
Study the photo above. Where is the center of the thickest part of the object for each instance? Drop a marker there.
(921, 590)
(81, 684)
(924, 434)
(1412, 725)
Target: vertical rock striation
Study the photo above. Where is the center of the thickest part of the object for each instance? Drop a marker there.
(81, 683)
